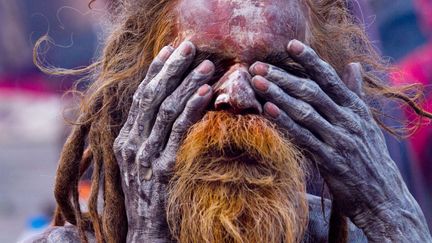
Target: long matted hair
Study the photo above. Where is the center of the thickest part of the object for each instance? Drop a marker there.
(140, 28)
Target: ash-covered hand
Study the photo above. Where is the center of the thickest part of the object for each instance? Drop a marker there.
(164, 106)
(335, 126)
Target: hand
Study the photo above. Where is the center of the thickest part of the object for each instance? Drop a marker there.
(146, 147)
(336, 127)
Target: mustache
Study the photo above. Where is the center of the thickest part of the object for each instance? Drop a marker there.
(225, 136)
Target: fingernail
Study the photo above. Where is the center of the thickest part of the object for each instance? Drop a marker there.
(260, 83)
(295, 47)
(205, 67)
(186, 48)
(260, 68)
(203, 90)
(272, 109)
(165, 53)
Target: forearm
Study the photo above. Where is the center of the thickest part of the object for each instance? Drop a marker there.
(398, 220)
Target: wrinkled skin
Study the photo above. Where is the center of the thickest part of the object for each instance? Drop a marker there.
(349, 147)
(324, 115)
(244, 29)
(145, 150)
(351, 152)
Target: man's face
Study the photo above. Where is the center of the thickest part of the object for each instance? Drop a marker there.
(237, 178)
(242, 31)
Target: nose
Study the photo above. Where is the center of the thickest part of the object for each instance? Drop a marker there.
(234, 92)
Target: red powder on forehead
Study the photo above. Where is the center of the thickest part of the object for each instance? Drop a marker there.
(246, 29)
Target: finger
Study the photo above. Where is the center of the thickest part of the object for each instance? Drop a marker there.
(300, 136)
(322, 72)
(353, 78)
(301, 88)
(163, 84)
(298, 110)
(171, 109)
(152, 71)
(192, 113)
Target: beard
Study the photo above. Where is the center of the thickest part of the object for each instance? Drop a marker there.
(237, 179)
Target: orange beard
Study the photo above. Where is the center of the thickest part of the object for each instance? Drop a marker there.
(237, 179)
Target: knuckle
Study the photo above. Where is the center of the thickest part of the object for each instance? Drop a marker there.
(354, 127)
(126, 153)
(147, 97)
(142, 155)
(309, 141)
(164, 166)
(168, 110)
(136, 97)
(173, 68)
(306, 112)
(309, 90)
(311, 52)
(180, 126)
(345, 142)
(118, 144)
(276, 93)
(155, 66)
(360, 107)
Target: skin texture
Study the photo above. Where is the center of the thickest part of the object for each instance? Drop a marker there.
(146, 156)
(336, 127)
(235, 93)
(244, 29)
(325, 115)
(350, 152)
(322, 115)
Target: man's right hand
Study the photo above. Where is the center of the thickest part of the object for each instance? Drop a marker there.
(163, 108)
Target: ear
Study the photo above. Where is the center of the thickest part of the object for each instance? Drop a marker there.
(353, 78)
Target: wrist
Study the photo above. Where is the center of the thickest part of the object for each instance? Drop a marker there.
(394, 222)
(160, 235)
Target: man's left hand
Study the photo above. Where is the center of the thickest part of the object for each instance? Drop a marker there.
(336, 127)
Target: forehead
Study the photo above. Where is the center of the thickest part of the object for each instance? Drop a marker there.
(243, 29)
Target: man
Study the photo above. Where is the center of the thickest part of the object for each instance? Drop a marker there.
(217, 140)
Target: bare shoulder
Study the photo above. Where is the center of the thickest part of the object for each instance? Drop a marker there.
(66, 234)
(318, 223)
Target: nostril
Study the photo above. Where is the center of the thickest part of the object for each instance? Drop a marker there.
(222, 106)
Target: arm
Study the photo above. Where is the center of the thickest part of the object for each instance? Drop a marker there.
(68, 233)
(163, 108)
(335, 126)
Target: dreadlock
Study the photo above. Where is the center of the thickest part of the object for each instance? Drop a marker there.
(139, 30)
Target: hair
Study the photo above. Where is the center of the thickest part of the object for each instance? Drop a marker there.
(139, 29)
(237, 179)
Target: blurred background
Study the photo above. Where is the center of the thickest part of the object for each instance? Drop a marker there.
(32, 105)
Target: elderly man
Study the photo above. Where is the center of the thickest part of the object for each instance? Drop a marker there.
(210, 138)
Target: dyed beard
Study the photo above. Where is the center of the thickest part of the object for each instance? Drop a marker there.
(237, 179)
